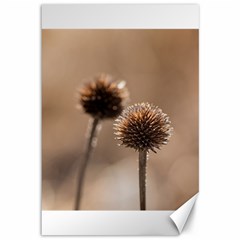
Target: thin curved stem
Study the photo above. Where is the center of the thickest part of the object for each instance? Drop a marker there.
(91, 142)
(142, 178)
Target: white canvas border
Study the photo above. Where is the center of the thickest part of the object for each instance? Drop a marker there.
(121, 16)
(101, 223)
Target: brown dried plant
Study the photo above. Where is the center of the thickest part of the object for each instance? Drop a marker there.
(102, 99)
(143, 127)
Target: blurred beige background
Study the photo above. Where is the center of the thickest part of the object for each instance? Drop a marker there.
(160, 67)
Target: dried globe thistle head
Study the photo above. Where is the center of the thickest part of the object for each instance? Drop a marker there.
(143, 127)
(103, 98)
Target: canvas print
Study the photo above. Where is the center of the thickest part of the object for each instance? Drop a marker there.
(119, 118)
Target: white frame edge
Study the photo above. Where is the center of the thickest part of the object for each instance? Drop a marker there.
(121, 16)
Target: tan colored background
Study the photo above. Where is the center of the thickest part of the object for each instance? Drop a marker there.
(161, 67)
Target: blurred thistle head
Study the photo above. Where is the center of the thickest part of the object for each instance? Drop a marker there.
(143, 127)
(103, 97)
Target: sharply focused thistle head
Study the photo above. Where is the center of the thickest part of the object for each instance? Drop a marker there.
(143, 127)
(103, 98)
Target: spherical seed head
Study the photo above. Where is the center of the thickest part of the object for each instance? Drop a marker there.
(103, 98)
(143, 126)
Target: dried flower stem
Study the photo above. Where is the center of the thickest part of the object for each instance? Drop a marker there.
(91, 143)
(143, 127)
(142, 178)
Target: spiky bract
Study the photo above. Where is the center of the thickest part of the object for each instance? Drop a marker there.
(143, 126)
(103, 98)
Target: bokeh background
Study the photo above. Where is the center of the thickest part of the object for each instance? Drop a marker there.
(160, 67)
